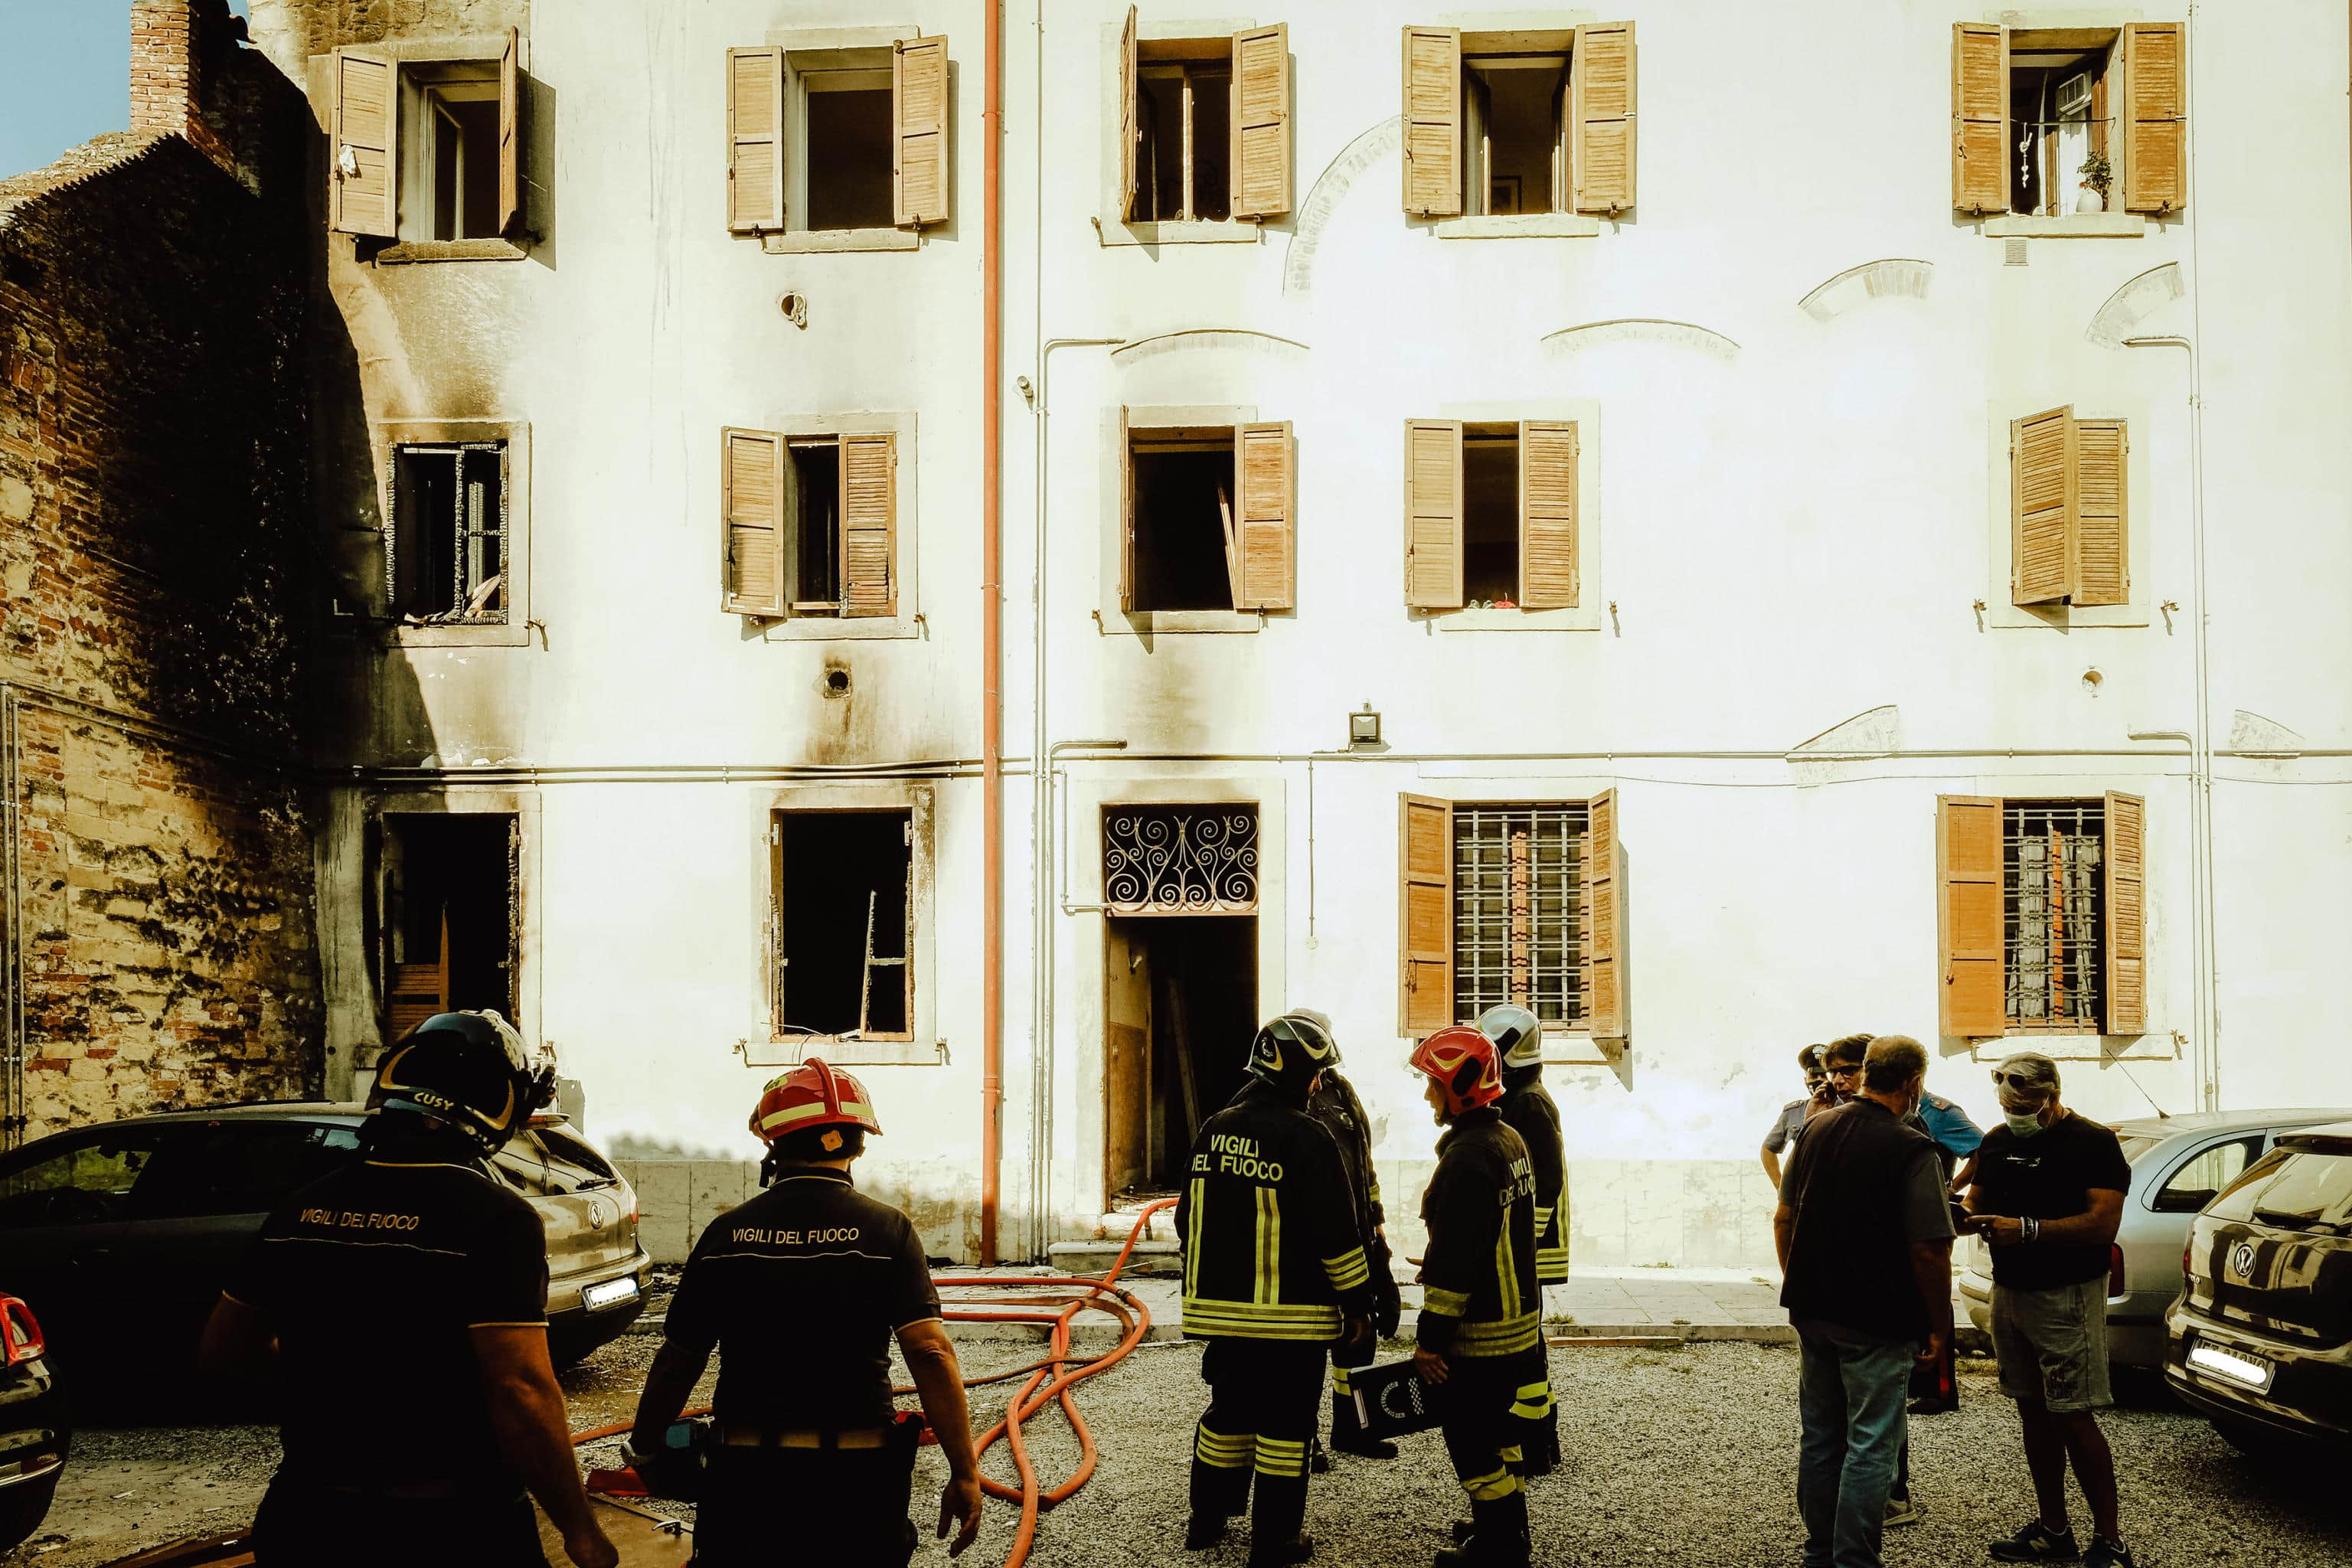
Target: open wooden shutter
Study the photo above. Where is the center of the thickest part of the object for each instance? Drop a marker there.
(2042, 507)
(1433, 514)
(919, 124)
(1969, 916)
(511, 133)
(1267, 528)
(2154, 118)
(1980, 117)
(1432, 121)
(1130, 126)
(1126, 506)
(365, 159)
(755, 140)
(1547, 515)
(2126, 859)
(1605, 930)
(752, 515)
(1261, 122)
(1600, 99)
(1425, 914)
(869, 514)
(2102, 530)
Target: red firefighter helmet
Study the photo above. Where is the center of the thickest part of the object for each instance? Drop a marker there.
(814, 1094)
(1465, 1065)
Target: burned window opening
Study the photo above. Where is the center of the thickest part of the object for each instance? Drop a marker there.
(450, 897)
(1184, 540)
(1180, 1006)
(843, 919)
(847, 165)
(446, 539)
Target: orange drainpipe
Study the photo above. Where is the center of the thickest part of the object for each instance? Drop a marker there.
(991, 639)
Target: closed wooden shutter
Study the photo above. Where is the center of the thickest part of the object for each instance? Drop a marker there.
(1126, 512)
(2126, 891)
(869, 515)
(1601, 96)
(1261, 122)
(1433, 514)
(365, 159)
(511, 133)
(2042, 507)
(1266, 541)
(1432, 121)
(919, 119)
(2102, 531)
(755, 140)
(752, 515)
(1980, 117)
(2156, 119)
(1547, 515)
(1130, 128)
(1969, 916)
(1425, 914)
(1605, 930)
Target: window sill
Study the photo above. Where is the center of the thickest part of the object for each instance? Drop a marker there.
(2009, 617)
(449, 251)
(1573, 620)
(810, 241)
(1152, 623)
(2070, 226)
(1521, 226)
(2154, 1044)
(867, 1053)
(841, 628)
(1176, 232)
(509, 634)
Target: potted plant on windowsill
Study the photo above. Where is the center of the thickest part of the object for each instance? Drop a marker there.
(2098, 177)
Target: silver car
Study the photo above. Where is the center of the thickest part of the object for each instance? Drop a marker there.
(2178, 1163)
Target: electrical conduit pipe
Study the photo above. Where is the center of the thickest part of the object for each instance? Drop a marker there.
(992, 633)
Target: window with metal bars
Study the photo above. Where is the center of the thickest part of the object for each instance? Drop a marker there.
(449, 543)
(2054, 914)
(1519, 908)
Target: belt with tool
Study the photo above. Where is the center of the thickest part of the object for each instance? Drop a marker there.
(802, 1436)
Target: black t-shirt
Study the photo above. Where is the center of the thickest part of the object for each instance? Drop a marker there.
(371, 1279)
(2048, 1176)
(800, 1289)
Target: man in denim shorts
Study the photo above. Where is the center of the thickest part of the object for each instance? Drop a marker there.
(2048, 1195)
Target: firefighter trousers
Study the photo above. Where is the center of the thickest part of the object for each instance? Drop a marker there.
(844, 1508)
(1489, 1403)
(301, 1525)
(1264, 1398)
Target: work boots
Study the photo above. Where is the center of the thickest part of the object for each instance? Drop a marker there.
(1497, 1536)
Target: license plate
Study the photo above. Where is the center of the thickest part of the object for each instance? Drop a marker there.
(2247, 1372)
(611, 1293)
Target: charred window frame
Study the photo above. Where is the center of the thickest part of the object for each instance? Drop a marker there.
(447, 543)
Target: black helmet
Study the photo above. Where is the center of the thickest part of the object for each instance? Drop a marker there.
(1289, 1051)
(469, 1070)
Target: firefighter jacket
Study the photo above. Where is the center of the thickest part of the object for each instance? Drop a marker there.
(1528, 1110)
(1335, 1105)
(1479, 1296)
(1271, 1248)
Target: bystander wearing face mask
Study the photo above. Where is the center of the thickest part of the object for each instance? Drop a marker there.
(2025, 1125)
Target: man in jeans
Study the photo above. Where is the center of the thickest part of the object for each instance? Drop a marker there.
(2048, 1195)
(1865, 1242)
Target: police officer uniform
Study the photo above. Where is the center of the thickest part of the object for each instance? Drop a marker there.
(1335, 1105)
(1274, 1273)
(1529, 1110)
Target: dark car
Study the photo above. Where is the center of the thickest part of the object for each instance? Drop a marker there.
(125, 1232)
(2261, 1339)
(33, 1432)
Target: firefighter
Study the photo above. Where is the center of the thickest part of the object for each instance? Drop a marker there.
(1274, 1273)
(801, 1290)
(1335, 1104)
(416, 1259)
(1481, 1338)
(1527, 1110)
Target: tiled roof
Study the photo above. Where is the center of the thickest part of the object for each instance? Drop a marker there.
(98, 155)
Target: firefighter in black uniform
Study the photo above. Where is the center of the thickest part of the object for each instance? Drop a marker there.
(1275, 1275)
(1335, 1104)
(1527, 1110)
(800, 1291)
(1481, 1337)
(414, 1258)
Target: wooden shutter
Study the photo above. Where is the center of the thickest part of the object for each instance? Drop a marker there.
(755, 140)
(2155, 119)
(1425, 914)
(1547, 515)
(752, 516)
(1267, 528)
(1126, 510)
(1130, 126)
(1604, 931)
(364, 163)
(1432, 121)
(919, 122)
(511, 133)
(1969, 916)
(1433, 514)
(2126, 866)
(1600, 98)
(2041, 487)
(1980, 117)
(1261, 122)
(2102, 530)
(869, 514)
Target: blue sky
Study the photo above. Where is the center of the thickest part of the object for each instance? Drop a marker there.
(64, 76)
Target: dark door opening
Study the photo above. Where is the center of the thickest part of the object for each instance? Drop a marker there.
(1180, 1007)
(450, 899)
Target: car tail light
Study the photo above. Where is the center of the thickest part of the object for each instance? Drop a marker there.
(19, 1333)
(2114, 1269)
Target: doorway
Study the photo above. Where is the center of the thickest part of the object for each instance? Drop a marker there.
(1180, 1008)
(448, 900)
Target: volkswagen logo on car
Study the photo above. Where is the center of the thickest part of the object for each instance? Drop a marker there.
(2241, 1260)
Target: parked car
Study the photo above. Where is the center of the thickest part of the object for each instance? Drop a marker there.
(125, 1232)
(2178, 1164)
(33, 1435)
(2261, 1339)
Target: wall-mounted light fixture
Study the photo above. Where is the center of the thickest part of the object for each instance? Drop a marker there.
(1364, 728)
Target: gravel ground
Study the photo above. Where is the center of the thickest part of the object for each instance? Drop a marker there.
(1683, 1456)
